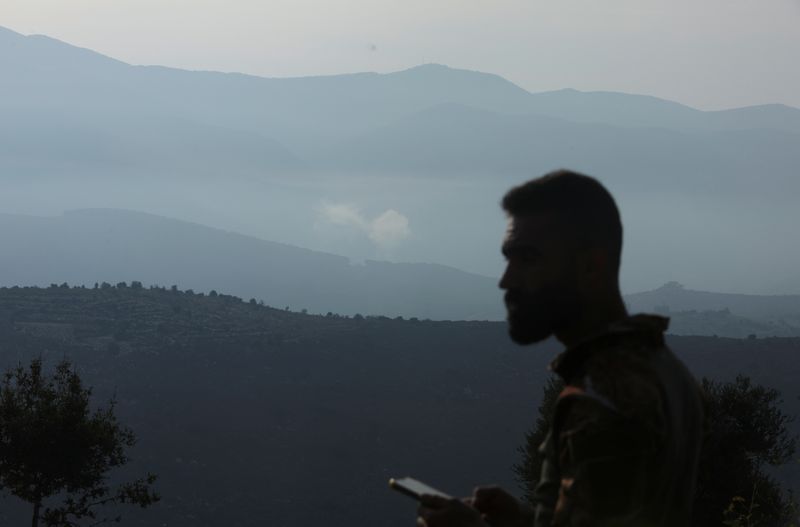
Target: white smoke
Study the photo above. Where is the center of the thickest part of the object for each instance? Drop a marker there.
(386, 230)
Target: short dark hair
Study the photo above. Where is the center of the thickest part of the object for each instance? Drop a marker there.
(582, 201)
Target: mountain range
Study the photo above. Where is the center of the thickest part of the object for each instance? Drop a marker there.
(440, 145)
(66, 105)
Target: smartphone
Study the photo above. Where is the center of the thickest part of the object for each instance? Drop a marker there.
(414, 488)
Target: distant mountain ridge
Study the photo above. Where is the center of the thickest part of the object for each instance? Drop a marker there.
(675, 297)
(251, 124)
(93, 246)
(108, 134)
(434, 82)
(84, 247)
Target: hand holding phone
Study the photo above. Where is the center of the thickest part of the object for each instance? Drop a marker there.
(436, 508)
(415, 488)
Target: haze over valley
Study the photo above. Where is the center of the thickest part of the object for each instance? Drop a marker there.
(402, 167)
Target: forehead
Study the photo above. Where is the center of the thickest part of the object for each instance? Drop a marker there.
(541, 228)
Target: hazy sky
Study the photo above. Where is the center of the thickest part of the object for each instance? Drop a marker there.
(706, 53)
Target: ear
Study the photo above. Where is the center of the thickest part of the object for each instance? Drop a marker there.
(596, 262)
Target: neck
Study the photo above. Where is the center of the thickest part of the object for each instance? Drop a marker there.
(595, 316)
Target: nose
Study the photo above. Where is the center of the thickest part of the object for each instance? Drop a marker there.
(505, 280)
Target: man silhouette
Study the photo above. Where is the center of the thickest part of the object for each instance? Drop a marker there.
(628, 425)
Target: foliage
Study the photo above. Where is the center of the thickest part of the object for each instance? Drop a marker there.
(747, 431)
(53, 446)
(530, 468)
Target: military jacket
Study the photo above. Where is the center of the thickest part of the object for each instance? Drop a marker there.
(626, 435)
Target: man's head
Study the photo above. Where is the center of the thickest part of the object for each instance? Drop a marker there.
(563, 247)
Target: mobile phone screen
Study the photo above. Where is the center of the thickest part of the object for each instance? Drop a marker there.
(414, 488)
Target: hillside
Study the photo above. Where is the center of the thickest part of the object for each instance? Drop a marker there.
(672, 297)
(251, 413)
(83, 247)
(88, 246)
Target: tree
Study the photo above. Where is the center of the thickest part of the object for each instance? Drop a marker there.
(55, 452)
(529, 470)
(747, 432)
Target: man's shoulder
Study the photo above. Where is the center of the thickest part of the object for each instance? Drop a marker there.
(629, 377)
(629, 360)
(629, 369)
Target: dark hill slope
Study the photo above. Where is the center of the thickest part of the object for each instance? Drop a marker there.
(256, 416)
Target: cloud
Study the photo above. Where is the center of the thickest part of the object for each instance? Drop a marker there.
(386, 230)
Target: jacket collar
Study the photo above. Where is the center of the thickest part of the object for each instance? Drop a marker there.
(636, 330)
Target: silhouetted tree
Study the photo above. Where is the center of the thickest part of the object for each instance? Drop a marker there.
(747, 432)
(53, 447)
(530, 468)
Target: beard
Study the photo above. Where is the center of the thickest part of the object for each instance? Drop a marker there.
(533, 316)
